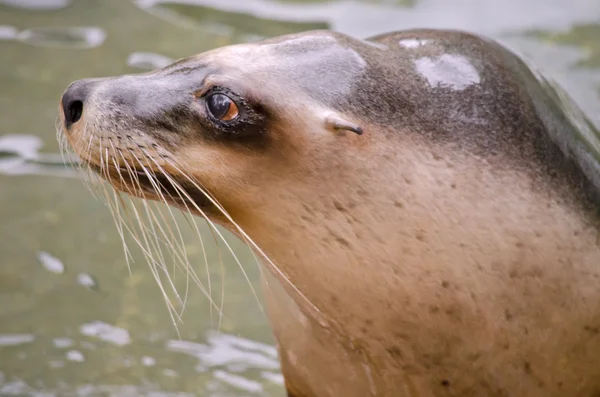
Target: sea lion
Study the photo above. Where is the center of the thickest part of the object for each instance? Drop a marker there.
(426, 205)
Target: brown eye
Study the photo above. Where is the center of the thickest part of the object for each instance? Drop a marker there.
(222, 107)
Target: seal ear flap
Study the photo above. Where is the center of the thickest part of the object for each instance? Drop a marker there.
(335, 123)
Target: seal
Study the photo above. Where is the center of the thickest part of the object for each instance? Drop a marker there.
(426, 205)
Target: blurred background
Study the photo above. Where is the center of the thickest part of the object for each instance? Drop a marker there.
(73, 320)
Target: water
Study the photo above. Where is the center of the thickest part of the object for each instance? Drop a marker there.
(73, 320)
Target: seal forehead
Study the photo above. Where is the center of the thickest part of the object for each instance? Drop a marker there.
(319, 64)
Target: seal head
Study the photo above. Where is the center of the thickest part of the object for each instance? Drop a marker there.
(429, 204)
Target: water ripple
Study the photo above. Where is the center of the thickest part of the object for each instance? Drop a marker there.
(19, 155)
(38, 5)
(14, 340)
(148, 60)
(8, 32)
(106, 332)
(63, 37)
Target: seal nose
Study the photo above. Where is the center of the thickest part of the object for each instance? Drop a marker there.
(73, 101)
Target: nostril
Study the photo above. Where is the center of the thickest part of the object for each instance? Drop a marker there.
(73, 101)
(74, 111)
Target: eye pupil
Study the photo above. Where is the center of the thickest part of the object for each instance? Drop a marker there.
(222, 107)
(219, 105)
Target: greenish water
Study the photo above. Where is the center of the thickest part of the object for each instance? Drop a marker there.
(73, 320)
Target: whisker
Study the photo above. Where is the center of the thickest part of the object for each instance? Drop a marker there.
(154, 221)
(186, 266)
(156, 243)
(153, 266)
(146, 246)
(195, 226)
(151, 228)
(214, 228)
(250, 242)
(120, 221)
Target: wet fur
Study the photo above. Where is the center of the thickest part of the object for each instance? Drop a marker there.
(452, 249)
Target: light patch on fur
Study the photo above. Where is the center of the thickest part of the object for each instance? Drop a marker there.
(451, 71)
(413, 43)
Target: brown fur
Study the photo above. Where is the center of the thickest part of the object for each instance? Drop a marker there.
(426, 257)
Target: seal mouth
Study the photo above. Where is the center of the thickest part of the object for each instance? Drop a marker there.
(148, 184)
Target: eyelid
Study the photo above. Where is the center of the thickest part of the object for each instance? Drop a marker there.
(207, 85)
(211, 83)
(202, 92)
(215, 89)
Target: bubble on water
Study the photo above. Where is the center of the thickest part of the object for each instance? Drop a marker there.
(51, 263)
(148, 361)
(62, 343)
(75, 355)
(87, 280)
